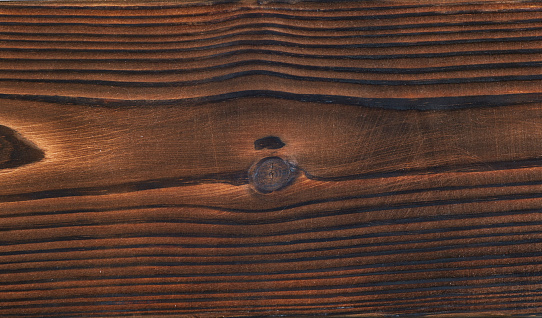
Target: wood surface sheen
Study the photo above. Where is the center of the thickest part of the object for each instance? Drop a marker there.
(413, 131)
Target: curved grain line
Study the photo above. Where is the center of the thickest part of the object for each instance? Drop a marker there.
(271, 28)
(241, 178)
(276, 7)
(436, 103)
(259, 222)
(239, 52)
(259, 24)
(227, 230)
(281, 43)
(271, 63)
(262, 42)
(241, 74)
(262, 14)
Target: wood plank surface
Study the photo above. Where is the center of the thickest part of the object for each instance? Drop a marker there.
(270, 158)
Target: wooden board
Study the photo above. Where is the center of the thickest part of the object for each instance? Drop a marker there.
(270, 158)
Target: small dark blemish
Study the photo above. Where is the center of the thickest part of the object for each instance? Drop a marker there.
(270, 142)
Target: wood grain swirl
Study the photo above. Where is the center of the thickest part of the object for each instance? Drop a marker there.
(403, 146)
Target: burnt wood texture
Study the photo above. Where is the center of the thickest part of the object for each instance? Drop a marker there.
(270, 158)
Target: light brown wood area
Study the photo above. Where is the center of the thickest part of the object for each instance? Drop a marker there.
(270, 158)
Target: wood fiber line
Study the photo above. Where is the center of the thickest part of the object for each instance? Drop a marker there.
(404, 139)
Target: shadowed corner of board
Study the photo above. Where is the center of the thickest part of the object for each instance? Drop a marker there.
(15, 151)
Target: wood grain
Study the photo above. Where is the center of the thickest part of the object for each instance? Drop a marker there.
(130, 134)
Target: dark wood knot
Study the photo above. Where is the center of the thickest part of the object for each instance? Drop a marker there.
(15, 151)
(271, 174)
(270, 142)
